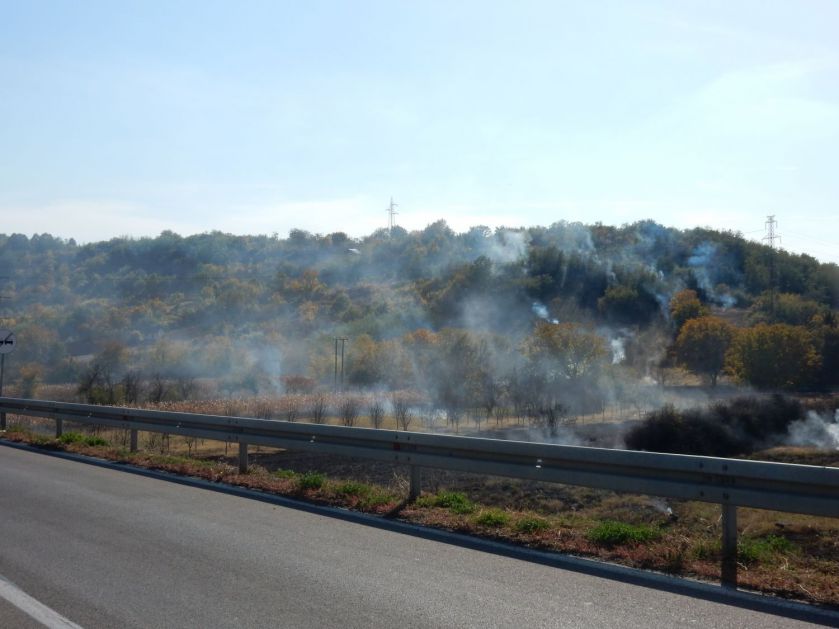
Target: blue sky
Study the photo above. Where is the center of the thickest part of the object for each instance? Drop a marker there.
(124, 118)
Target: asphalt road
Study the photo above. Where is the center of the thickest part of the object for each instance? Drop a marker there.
(103, 548)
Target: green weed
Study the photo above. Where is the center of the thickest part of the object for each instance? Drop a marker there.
(76, 437)
(532, 524)
(454, 501)
(493, 518)
(71, 437)
(352, 488)
(312, 480)
(612, 533)
(762, 549)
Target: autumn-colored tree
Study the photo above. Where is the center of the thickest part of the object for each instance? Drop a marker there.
(786, 308)
(628, 304)
(685, 305)
(566, 350)
(30, 378)
(702, 345)
(776, 356)
(364, 364)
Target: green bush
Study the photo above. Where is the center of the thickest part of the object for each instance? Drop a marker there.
(285, 473)
(352, 488)
(77, 437)
(531, 524)
(312, 480)
(71, 437)
(374, 499)
(493, 518)
(755, 549)
(454, 501)
(611, 533)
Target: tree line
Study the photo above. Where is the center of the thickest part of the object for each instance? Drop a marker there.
(477, 319)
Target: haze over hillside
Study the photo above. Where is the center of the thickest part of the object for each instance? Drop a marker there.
(567, 315)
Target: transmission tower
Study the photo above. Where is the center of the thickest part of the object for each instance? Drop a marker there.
(771, 237)
(391, 213)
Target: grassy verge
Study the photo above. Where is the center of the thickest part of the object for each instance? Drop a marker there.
(781, 554)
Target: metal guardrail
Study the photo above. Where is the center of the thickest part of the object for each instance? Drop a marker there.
(731, 483)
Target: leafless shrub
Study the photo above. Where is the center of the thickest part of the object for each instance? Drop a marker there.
(190, 444)
(550, 416)
(185, 387)
(158, 388)
(131, 386)
(232, 408)
(376, 410)
(401, 411)
(453, 417)
(318, 408)
(427, 416)
(157, 441)
(500, 414)
(263, 410)
(348, 409)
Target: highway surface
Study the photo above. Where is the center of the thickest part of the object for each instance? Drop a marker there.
(96, 547)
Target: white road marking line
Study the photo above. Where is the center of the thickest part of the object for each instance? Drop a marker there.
(34, 608)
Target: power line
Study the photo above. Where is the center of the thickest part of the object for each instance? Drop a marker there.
(818, 240)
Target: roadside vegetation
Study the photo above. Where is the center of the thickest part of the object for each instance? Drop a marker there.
(782, 554)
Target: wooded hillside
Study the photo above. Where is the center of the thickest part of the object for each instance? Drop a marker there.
(525, 315)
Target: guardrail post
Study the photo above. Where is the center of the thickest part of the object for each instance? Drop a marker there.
(2, 418)
(416, 483)
(729, 546)
(133, 439)
(59, 428)
(243, 457)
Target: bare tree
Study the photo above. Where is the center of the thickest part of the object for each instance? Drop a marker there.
(191, 443)
(318, 408)
(186, 387)
(500, 414)
(89, 383)
(401, 411)
(292, 408)
(453, 416)
(263, 410)
(376, 410)
(157, 388)
(131, 386)
(348, 409)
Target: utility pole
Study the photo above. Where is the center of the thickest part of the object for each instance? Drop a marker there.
(342, 363)
(343, 340)
(771, 237)
(391, 213)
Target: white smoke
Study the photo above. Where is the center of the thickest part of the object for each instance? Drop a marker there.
(702, 262)
(541, 311)
(618, 350)
(815, 431)
(507, 246)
